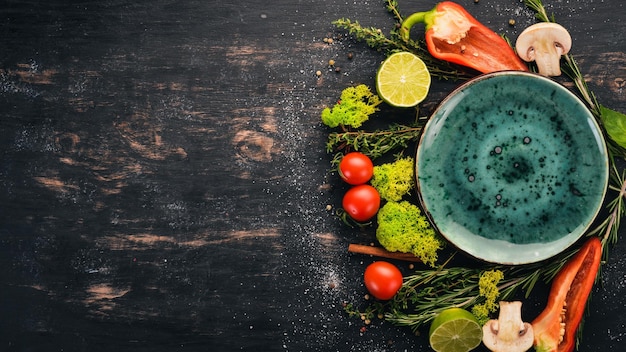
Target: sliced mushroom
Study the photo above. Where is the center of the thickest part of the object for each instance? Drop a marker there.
(508, 333)
(544, 43)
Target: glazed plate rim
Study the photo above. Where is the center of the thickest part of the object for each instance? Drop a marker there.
(495, 250)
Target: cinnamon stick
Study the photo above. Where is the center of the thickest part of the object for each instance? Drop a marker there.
(381, 252)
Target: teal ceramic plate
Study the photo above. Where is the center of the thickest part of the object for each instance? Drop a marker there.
(512, 168)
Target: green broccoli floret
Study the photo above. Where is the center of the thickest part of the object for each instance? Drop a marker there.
(403, 228)
(354, 107)
(394, 180)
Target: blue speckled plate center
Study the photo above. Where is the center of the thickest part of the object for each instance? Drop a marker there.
(512, 168)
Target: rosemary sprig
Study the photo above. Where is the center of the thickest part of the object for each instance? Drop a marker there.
(426, 293)
(540, 11)
(608, 229)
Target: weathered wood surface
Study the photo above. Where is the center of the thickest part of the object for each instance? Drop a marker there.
(164, 183)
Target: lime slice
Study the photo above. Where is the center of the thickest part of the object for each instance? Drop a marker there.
(403, 80)
(455, 330)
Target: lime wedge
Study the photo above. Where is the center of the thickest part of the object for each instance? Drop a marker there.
(455, 330)
(403, 80)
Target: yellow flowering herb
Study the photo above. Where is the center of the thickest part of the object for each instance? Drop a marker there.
(488, 289)
(403, 228)
(354, 107)
(394, 180)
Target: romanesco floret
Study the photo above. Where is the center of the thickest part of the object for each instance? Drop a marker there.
(487, 288)
(394, 180)
(403, 228)
(354, 107)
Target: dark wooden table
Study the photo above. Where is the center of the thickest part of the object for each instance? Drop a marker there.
(164, 180)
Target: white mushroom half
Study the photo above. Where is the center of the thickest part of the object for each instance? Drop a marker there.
(509, 333)
(544, 43)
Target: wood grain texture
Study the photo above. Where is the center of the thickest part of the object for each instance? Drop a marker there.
(164, 181)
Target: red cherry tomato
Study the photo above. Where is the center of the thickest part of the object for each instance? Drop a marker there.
(361, 202)
(356, 168)
(382, 280)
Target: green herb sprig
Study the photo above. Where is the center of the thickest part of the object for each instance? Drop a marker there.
(372, 143)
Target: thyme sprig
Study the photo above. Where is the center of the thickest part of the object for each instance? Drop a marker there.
(372, 143)
(393, 8)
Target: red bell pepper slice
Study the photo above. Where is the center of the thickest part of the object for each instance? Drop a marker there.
(555, 328)
(453, 35)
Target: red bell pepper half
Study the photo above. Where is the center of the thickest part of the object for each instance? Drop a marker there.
(453, 35)
(555, 328)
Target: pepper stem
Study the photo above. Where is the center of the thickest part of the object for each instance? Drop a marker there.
(409, 22)
(405, 28)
